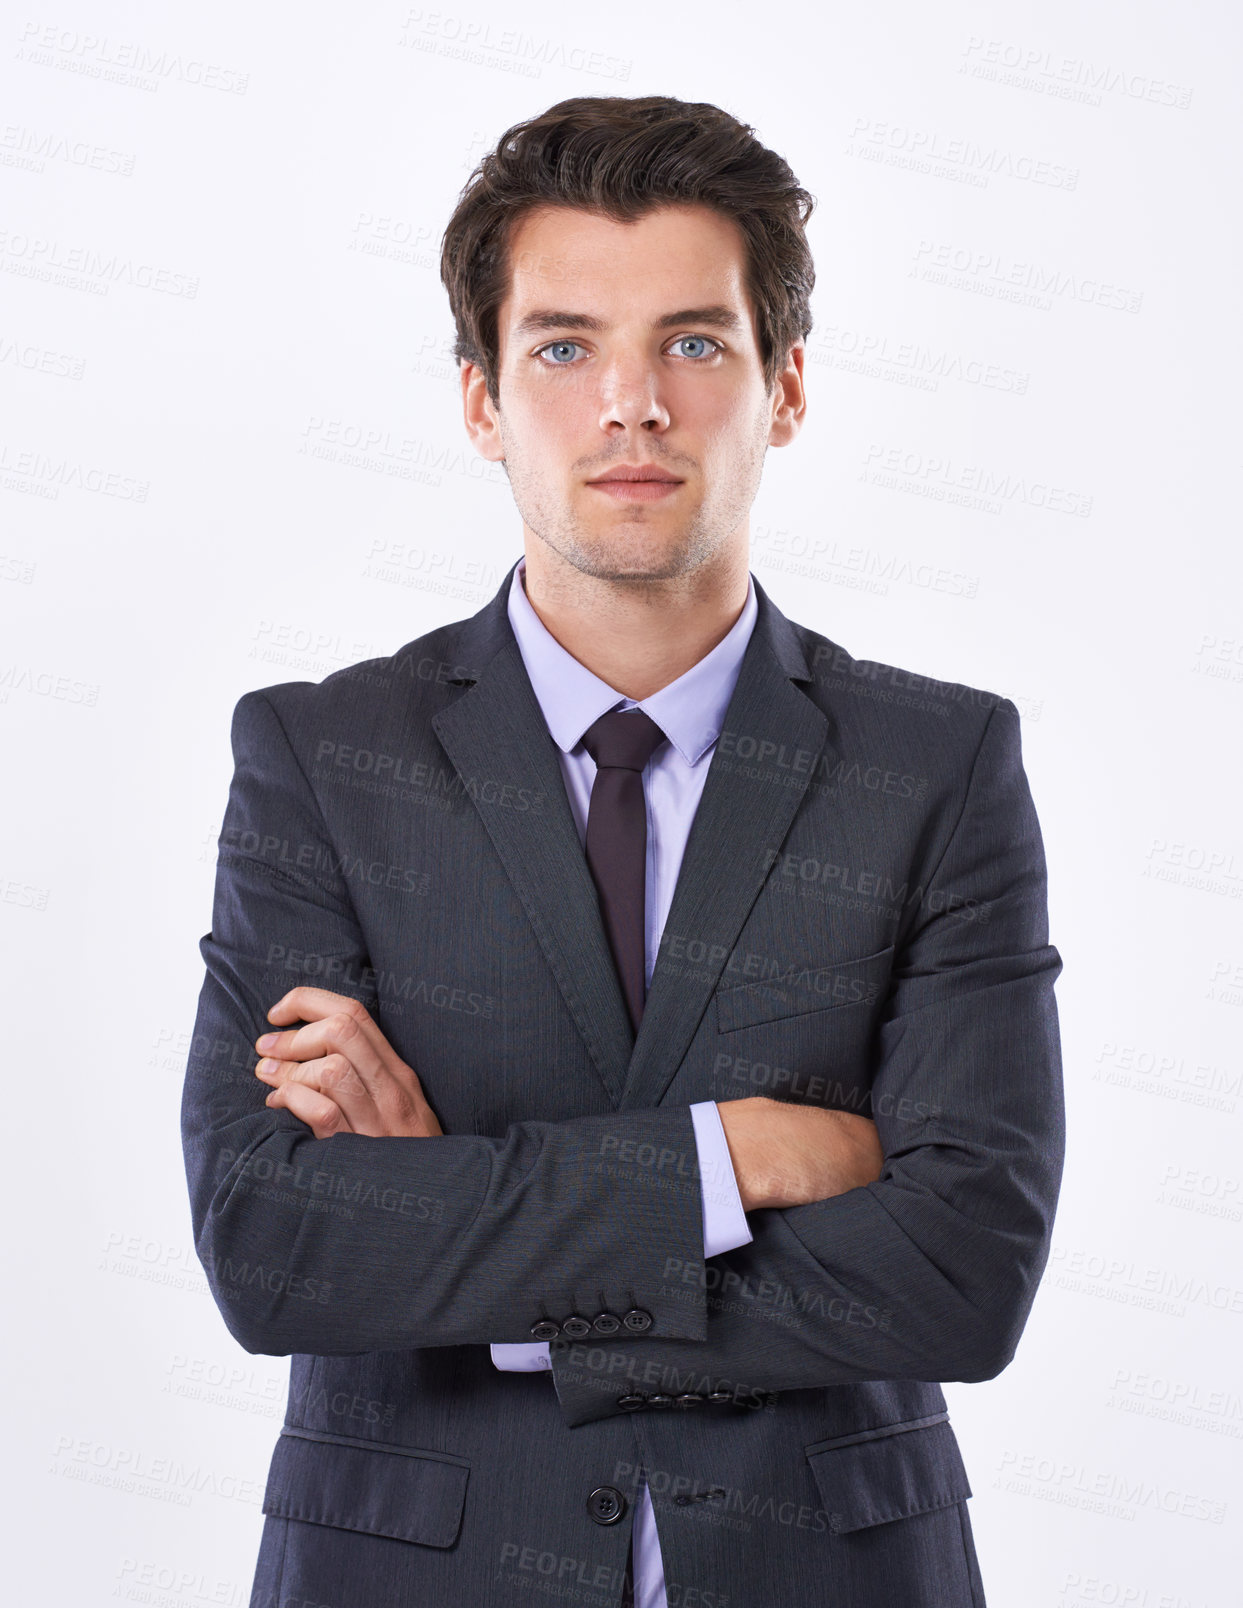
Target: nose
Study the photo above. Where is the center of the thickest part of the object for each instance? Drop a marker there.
(631, 398)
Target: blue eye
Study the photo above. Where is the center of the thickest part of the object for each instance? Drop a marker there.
(702, 339)
(554, 344)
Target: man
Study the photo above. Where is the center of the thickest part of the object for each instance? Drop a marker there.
(699, 970)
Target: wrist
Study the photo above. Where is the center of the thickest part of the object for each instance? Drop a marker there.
(736, 1126)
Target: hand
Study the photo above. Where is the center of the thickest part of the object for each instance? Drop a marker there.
(339, 1073)
(791, 1155)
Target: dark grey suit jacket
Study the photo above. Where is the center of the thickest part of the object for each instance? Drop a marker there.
(860, 923)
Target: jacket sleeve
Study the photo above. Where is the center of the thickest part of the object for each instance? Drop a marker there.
(352, 1244)
(930, 1272)
(725, 1223)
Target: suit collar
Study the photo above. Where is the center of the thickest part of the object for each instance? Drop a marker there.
(689, 710)
(483, 635)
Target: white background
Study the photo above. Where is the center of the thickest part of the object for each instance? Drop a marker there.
(218, 269)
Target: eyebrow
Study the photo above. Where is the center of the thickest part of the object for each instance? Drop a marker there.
(541, 318)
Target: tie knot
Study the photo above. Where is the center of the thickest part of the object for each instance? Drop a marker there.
(624, 739)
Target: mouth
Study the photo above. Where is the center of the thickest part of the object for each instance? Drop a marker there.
(634, 483)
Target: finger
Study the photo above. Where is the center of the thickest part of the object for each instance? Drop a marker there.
(323, 1116)
(305, 1004)
(316, 1006)
(345, 1032)
(308, 1003)
(335, 1078)
(275, 1072)
(350, 1108)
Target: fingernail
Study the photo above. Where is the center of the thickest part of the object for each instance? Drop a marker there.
(266, 1042)
(265, 1068)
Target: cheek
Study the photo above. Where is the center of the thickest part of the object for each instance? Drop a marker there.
(544, 428)
(734, 434)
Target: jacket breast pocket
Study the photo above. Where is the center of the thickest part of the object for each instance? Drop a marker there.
(408, 1493)
(888, 1473)
(802, 990)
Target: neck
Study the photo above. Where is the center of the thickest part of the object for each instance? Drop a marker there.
(636, 635)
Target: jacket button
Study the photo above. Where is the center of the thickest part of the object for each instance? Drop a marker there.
(606, 1504)
(637, 1320)
(630, 1404)
(689, 1398)
(545, 1329)
(660, 1399)
(575, 1327)
(720, 1397)
(606, 1323)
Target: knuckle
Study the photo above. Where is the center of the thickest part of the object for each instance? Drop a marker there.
(338, 1074)
(356, 1011)
(345, 1027)
(328, 1116)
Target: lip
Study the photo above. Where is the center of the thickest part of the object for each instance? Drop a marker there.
(634, 482)
(636, 490)
(636, 472)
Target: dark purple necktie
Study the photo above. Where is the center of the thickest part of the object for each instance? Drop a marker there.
(621, 743)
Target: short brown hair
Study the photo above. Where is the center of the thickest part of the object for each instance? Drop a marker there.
(622, 157)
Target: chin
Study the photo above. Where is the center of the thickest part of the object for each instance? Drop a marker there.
(637, 562)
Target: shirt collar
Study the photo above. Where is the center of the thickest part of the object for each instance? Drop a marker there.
(690, 710)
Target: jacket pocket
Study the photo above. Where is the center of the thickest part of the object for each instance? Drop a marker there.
(888, 1473)
(406, 1492)
(800, 990)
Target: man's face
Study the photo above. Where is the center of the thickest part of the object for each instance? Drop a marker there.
(633, 344)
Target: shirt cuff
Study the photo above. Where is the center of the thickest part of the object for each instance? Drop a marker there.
(725, 1222)
(521, 1356)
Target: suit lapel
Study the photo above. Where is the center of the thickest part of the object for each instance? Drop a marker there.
(496, 731)
(741, 822)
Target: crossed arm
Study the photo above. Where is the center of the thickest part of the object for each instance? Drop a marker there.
(339, 1074)
(925, 1271)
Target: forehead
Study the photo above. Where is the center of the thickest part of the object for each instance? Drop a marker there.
(563, 257)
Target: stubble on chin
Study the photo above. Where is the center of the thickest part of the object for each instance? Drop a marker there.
(624, 555)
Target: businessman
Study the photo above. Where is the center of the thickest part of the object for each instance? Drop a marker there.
(626, 1079)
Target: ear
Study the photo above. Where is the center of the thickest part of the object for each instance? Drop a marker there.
(479, 415)
(789, 399)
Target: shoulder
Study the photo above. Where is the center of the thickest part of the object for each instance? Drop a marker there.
(387, 700)
(890, 711)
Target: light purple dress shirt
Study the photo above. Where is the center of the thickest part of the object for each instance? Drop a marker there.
(689, 711)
